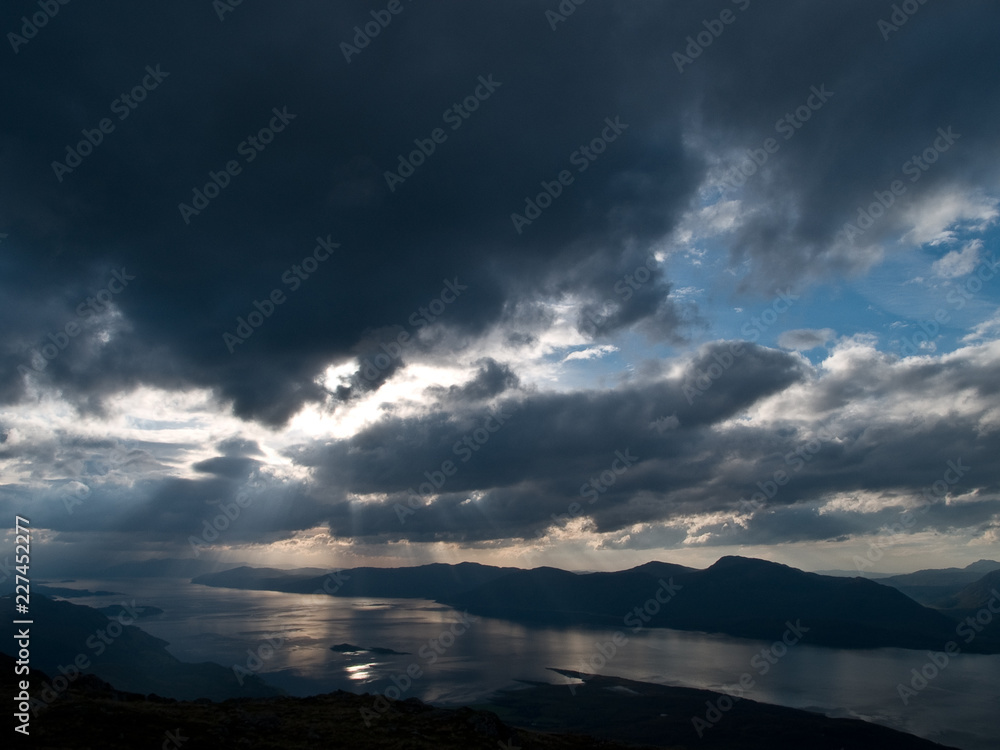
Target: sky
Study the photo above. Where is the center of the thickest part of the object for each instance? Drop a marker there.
(522, 283)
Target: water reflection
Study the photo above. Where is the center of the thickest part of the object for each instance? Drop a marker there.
(203, 623)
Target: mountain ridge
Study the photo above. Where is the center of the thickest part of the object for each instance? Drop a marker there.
(736, 596)
(938, 587)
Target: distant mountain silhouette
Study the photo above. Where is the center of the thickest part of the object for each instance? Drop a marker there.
(935, 587)
(433, 581)
(737, 596)
(553, 596)
(944, 576)
(163, 567)
(983, 566)
(246, 577)
(854, 574)
(123, 655)
(979, 593)
(977, 608)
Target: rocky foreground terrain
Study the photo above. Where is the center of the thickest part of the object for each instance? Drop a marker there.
(92, 714)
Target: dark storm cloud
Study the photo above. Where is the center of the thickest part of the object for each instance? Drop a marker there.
(527, 454)
(890, 96)
(75, 457)
(633, 291)
(307, 258)
(875, 378)
(169, 512)
(642, 453)
(785, 525)
(237, 447)
(379, 357)
(322, 175)
(491, 379)
(231, 467)
(557, 450)
(532, 454)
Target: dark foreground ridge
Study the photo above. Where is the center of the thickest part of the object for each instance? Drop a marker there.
(603, 713)
(93, 714)
(662, 716)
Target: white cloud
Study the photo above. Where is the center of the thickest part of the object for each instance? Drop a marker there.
(686, 291)
(594, 352)
(958, 262)
(704, 222)
(988, 330)
(936, 219)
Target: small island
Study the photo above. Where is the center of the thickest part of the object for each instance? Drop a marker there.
(350, 648)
